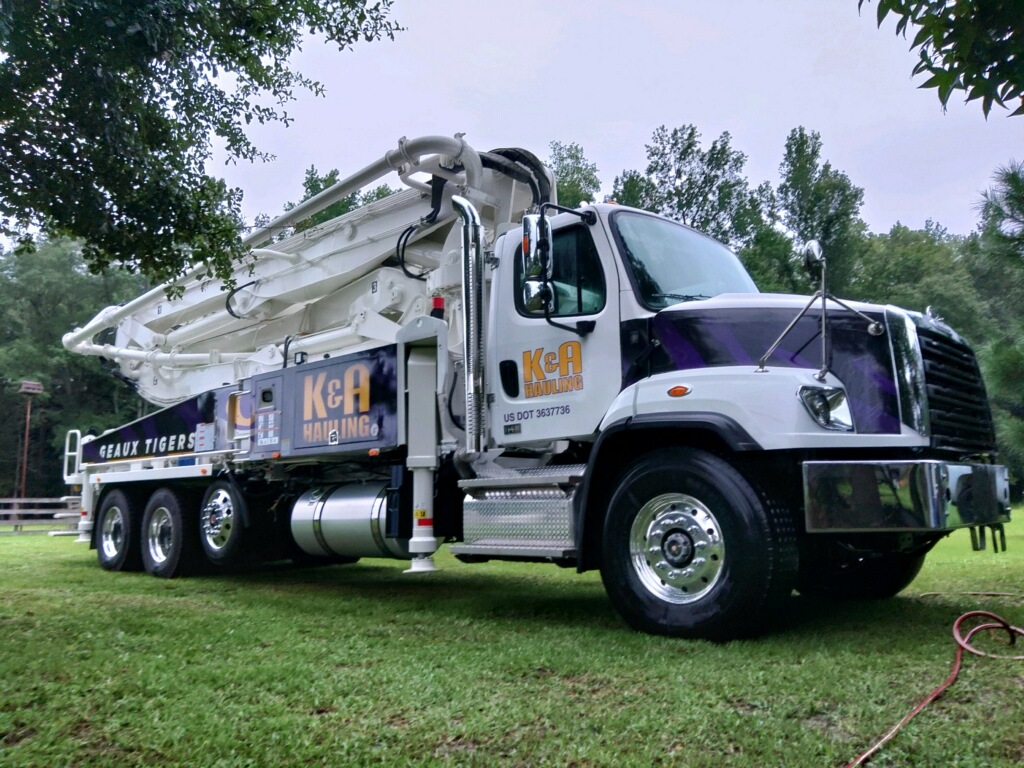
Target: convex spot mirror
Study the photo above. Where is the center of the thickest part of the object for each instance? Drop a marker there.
(537, 294)
(814, 259)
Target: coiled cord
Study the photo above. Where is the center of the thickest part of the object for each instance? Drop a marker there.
(963, 643)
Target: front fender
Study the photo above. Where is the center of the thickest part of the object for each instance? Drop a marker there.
(763, 404)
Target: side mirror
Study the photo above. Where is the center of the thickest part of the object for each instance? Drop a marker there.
(538, 296)
(536, 248)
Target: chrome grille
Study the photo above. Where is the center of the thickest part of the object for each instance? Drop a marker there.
(957, 405)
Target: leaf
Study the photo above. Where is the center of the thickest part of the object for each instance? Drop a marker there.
(939, 79)
(921, 37)
(882, 11)
(945, 89)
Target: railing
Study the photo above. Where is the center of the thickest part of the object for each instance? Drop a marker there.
(60, 515)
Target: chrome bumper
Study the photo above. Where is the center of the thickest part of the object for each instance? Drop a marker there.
(869, 496)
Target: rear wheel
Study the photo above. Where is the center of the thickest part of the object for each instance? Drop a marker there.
(118, 524)
(169, 535)
(691, 550)
(868, 578)
(223, 535)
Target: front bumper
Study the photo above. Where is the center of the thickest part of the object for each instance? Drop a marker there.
(872, 496)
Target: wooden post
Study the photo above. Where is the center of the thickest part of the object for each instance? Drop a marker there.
(29, 389)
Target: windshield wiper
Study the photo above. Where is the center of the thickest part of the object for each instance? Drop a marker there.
(680, 296)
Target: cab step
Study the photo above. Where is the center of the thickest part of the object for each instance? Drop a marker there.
(520, 514)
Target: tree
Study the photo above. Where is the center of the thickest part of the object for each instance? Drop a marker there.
(108, 108)
(918, 269)
(817, 202)
(704, 189)
(996, 260)
(576, 177)
(1003, 211)
(771, 262)
(315, 183)
(634, 189)
(966, 45)
(42, 296)
(1003, 367)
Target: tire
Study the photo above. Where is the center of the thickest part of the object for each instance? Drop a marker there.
(223, 536)
(690, 549)
(118, 526)
(869, 578)
(170, 541)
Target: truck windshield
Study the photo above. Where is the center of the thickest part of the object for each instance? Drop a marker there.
(670, 263)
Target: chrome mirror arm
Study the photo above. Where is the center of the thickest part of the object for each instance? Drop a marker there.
(813, 257)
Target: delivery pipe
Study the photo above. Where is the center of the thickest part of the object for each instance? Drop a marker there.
(472, 307)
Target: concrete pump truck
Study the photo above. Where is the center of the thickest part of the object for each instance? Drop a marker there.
(467, 363)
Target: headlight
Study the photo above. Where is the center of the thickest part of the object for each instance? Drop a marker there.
(828, 407)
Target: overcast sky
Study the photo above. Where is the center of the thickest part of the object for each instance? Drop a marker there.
(605, 74)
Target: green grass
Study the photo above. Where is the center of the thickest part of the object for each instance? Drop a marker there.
(495, 664)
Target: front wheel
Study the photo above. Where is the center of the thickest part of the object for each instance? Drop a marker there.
(691, 550)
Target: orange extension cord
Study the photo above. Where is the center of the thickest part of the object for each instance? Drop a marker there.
(963, 643)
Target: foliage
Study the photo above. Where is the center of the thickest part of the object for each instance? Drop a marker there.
(704, 189)
(315, 183)
(966, 45)
(1003, 211)
(817, 202)
(634, 189)
(575, 176)
(42, 296)
(1004, 371)
(768, 257)
(917, 269)
(107, 109)
(996, 260)
(503, 664)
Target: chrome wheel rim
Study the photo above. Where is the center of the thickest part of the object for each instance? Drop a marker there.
(218, 518)
(113, 532)
(676, 548)
(160, 535)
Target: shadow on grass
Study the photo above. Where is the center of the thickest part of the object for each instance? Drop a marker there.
(515, 595)
(881, 622)
(488, 594)
(533, 597)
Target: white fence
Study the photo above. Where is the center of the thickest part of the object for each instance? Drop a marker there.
(59, 516)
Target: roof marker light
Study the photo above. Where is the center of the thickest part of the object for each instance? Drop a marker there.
(680, 390)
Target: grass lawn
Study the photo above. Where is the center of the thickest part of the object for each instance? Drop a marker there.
(495, 664)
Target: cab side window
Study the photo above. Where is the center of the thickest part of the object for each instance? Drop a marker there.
(577, 284)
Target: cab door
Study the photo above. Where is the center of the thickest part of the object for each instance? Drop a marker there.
(553, 380)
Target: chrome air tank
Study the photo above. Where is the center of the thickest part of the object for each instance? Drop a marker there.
(347, 520)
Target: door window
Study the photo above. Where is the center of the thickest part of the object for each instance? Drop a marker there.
(577, 283)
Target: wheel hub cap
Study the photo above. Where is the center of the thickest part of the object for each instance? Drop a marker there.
(676, 548)
(218, 519)
(112, 534)
(160, 535)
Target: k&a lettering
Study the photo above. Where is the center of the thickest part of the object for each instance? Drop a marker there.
(551, 372)
(335, 404)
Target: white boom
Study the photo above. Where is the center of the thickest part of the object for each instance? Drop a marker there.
(339, 285)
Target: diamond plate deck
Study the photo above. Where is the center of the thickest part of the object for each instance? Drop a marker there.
(567, 474)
